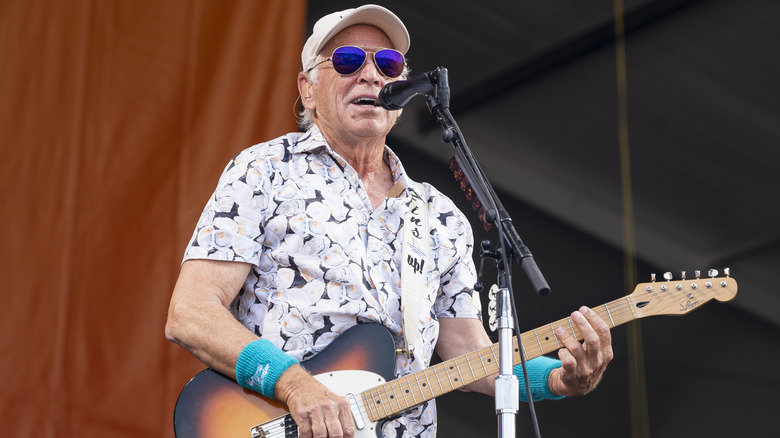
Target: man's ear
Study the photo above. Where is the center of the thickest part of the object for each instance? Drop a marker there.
(304, 89)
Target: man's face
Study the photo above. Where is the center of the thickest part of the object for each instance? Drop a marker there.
(336, 99)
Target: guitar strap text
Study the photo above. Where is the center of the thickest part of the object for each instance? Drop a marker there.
(414, 256)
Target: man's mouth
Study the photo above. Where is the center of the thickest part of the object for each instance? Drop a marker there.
(366, 101)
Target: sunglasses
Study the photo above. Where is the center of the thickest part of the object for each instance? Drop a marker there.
(349, 59)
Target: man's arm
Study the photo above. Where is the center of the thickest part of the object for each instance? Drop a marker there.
(582, 367)
(198, 315)
(199, 320)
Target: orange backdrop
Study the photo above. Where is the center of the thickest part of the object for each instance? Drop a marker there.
(116, 118)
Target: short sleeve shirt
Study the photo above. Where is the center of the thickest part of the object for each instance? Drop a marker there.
(323, 260)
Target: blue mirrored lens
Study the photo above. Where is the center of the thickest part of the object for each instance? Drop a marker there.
(348, 60)
(390, 62)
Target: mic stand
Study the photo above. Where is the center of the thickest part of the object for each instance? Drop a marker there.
(507, 389)
(512, 247)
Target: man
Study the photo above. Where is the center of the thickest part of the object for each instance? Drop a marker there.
(302, 240)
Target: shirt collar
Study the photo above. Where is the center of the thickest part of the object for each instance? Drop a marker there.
(313, 141)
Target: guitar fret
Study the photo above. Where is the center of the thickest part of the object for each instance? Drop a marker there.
(456, 369)
(525, 352)
(380, 402)
(474, 376)
(552, 329)
(420, 387)
(374, 400)
(573, 332)
(631, 306)
(409, 385)
(495, 360)
(426, 384)
(365, 398)
(393, 395)
(606, 307)
(404, 390)
(484, 368)
(539, 341)
(437, 379)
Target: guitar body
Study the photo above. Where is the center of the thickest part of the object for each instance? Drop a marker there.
(212, 405)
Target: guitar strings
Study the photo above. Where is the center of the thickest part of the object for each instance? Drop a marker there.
(615, 313)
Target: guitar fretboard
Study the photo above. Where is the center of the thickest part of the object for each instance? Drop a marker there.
(405, 392)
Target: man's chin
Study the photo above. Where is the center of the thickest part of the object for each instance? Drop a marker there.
(370, 127)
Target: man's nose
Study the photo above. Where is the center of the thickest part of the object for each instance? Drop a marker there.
(370, 72)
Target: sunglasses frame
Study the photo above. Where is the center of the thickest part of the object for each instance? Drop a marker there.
(366, 50)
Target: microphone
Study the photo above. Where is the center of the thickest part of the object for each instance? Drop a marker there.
(396, 95)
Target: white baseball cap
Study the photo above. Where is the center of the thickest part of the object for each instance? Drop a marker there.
(328, 26)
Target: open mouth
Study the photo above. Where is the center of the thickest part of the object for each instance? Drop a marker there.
(366, 101)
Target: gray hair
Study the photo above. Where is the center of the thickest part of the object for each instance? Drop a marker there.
(305, 116)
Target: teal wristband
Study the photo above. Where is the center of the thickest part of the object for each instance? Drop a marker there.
(538, 373)
(259, 366)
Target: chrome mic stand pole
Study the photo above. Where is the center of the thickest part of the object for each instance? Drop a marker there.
(507, 388)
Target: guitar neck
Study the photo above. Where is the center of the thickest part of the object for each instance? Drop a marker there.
(676, 297)
(405, 392)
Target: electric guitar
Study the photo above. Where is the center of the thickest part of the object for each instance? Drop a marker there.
(359, 364)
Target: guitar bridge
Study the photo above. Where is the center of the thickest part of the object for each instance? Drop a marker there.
(282, 427)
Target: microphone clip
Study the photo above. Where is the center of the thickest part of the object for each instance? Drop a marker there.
(396, 95)
(440, 97)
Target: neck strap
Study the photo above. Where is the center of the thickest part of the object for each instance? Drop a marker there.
(414, 265)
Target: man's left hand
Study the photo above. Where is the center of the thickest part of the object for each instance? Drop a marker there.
(583, 364)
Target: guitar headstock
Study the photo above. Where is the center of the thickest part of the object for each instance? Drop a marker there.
(678, 297)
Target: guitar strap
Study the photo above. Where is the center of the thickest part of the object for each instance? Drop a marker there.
(414, 255)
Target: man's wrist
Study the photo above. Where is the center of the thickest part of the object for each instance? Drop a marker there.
(260, 365)
(540, 370)
(292, 380)
(554, 382)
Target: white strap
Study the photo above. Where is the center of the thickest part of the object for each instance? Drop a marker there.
(414, 265)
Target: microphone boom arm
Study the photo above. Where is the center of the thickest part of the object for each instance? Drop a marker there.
(438, 104)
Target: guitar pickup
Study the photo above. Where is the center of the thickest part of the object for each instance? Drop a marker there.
(271, 428)
(353, 406)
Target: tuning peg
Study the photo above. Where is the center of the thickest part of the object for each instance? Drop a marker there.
(683, 275)
(668, 276)
(727, 271)
(712, 273)
(652, 277)
(697, 273)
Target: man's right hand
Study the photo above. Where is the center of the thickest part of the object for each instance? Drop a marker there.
(318, 412)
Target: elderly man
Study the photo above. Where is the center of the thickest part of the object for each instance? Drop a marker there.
(301, 240)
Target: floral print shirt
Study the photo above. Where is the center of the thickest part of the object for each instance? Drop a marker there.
(323, 260)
